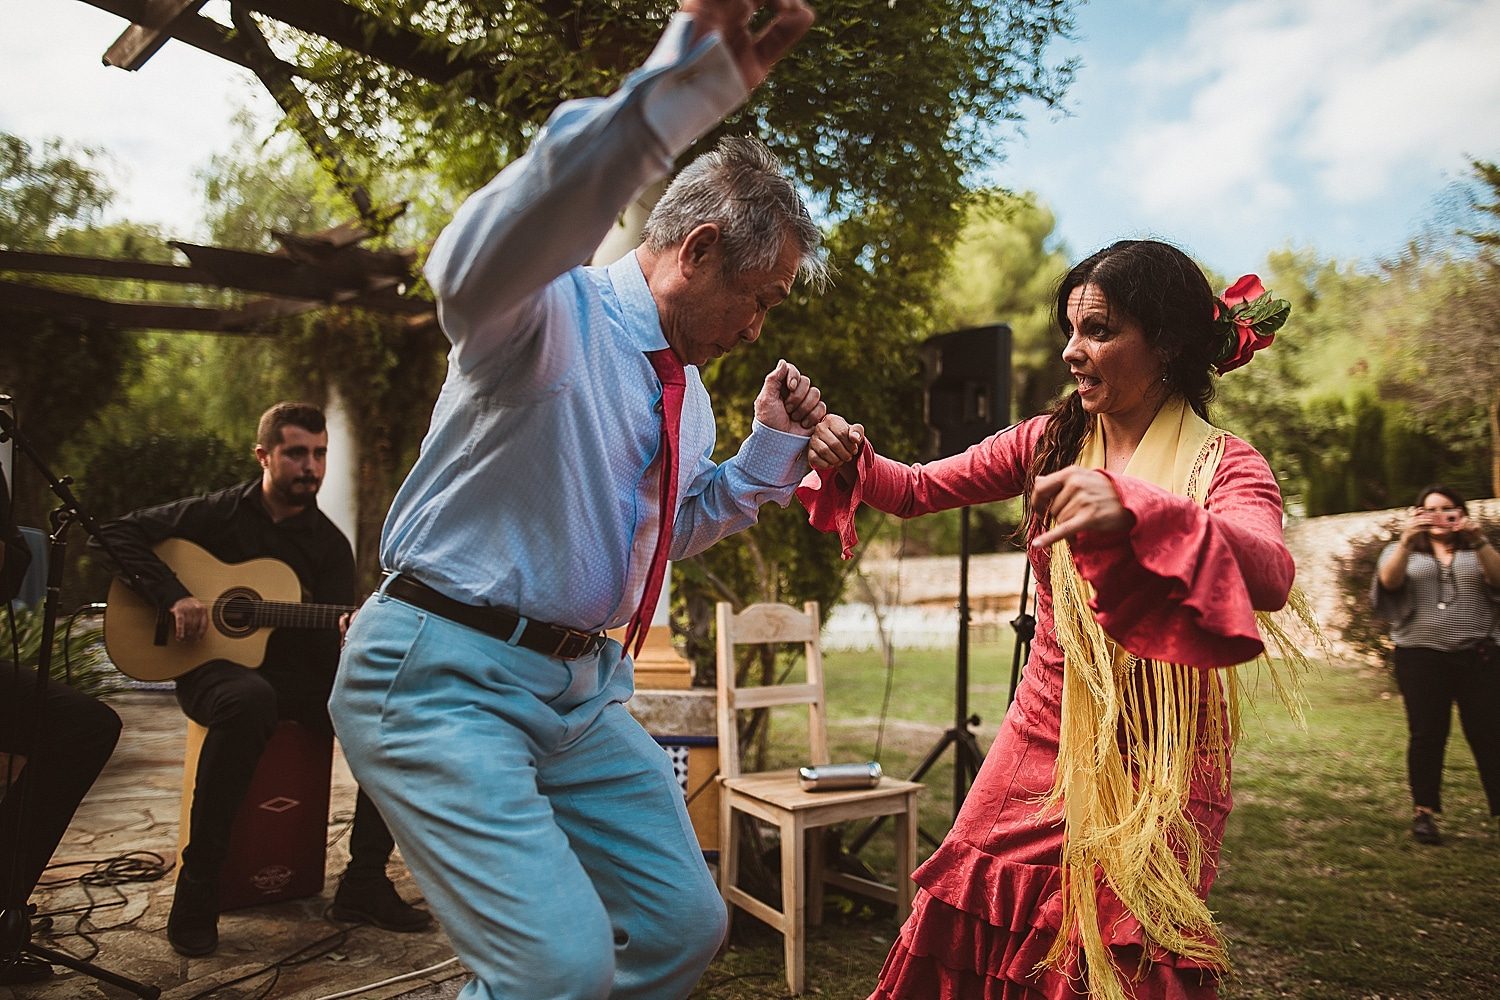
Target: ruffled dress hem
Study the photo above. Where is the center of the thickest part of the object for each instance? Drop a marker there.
(981, 926)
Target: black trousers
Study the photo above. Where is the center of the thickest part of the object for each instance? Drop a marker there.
(66, 743)
(1431, 682)
(240, 708)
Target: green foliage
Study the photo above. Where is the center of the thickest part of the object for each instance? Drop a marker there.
(77, 648)
(1345, 405)
(146, 469)
(880, 104)
(387, 376)
(61, 374)
(46, 190)
(1486, 203)
(1005, 269)
(385, 373)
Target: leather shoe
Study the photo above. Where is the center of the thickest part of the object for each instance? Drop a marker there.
(1424, 829)
(375, 901)
(193, 924)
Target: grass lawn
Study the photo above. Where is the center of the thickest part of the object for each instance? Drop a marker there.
(1322, 891)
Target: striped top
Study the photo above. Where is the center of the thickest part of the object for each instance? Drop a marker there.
(1438, 607)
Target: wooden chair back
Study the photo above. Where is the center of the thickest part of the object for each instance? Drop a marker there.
(776, 624)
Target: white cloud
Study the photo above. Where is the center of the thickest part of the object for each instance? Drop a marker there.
(1264, 104)
(1421, 100)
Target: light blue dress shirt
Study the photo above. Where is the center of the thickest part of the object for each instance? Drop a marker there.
(535, 488)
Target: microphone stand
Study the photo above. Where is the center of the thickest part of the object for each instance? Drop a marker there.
(967, 756)
(15, 919)
(1024, 624)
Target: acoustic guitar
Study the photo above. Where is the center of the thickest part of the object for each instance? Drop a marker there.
(245, 601)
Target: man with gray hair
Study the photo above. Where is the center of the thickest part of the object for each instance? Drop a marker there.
(569, 457)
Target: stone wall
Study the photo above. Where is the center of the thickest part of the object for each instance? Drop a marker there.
(1316, 544)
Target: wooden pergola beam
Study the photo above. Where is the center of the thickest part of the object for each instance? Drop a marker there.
(102, 267)
(286, 275)
(270, 274)
(149, 32)
(203, 33)
(427, 57)
(122, 315)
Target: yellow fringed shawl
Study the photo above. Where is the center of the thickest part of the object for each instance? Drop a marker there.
(1130, 735)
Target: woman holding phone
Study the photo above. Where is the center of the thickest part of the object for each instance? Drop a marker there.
(1438, 584)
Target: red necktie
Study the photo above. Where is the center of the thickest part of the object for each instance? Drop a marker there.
(673, 385)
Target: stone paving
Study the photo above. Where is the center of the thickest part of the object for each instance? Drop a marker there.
(134, 808)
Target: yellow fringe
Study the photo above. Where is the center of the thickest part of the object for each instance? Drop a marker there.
(1127, 747)
(1128, 743)
(1132, 732)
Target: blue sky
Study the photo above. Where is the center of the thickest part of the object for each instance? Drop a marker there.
(1235, 128)
(1230, 128)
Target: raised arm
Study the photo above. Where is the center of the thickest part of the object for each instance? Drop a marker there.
(547, 211)
(994, 469)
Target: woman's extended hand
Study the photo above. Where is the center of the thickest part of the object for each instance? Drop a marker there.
(834, 441)
(1077, 499)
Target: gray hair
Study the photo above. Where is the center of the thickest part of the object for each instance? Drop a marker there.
(740, 186)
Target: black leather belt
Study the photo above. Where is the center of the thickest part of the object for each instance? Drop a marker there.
(553, 640)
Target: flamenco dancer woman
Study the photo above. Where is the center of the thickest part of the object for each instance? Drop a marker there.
(1082, 858)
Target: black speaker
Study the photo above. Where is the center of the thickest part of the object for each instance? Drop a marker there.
(966, 387)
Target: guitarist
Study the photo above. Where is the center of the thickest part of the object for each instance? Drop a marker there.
(275, 515)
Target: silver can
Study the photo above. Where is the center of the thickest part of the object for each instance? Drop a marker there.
(836, 777)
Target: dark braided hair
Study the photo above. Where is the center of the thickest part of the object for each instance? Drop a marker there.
(1159, 287)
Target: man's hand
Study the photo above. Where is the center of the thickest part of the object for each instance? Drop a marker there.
(788, 401)
(753, 54)
(345, 620)
(834, 442)
(1078, 499)
(191, 618)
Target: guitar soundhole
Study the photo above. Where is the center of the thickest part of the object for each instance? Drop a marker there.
(234, 612)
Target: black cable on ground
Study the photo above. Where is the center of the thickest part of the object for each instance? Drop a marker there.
(106, 873)
(315, 949)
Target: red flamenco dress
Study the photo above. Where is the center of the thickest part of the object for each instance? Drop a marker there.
(1181, 586)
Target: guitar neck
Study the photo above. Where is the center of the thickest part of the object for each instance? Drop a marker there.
(294, 614)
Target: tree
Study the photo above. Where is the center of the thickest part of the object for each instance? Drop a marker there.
(1005, 269)
(46, 190)
(1448, 337)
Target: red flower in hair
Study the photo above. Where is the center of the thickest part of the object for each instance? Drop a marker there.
(1248, 318)
(1247, 289)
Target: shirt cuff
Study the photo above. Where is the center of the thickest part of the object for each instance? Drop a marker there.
(773, 457)
(696, 86)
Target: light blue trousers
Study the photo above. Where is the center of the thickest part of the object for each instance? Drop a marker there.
(542, 823)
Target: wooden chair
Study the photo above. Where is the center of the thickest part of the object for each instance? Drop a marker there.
(778, 799)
